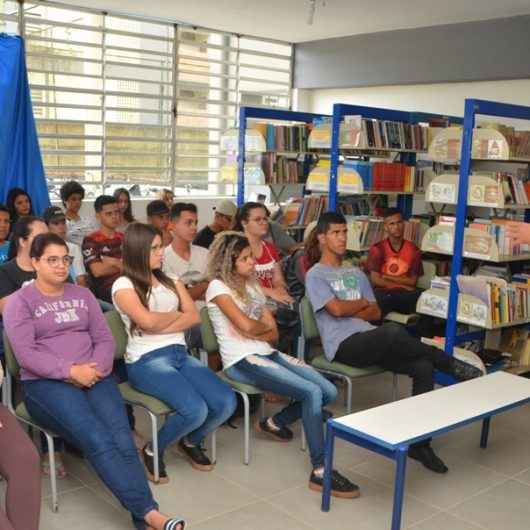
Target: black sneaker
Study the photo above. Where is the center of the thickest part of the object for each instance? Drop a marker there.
(196, 456)
(149, 464)
(428, 458)
(464, 371)
(280, 434)
(340, 486)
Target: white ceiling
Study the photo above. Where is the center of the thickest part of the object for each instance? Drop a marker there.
(287, 19)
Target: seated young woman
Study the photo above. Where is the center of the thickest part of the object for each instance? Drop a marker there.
(65, 350)
(245, 329)
(156, 311)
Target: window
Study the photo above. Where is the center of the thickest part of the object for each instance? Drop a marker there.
(122, 101)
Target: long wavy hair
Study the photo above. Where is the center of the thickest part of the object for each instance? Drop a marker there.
(12, 196)
(127, 214)
(136, 254)
(222, 256)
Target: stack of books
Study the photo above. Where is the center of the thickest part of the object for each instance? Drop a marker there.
(284, 137)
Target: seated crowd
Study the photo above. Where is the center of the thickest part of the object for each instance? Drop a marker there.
(60, 272)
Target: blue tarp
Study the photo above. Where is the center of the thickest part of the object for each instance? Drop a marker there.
(20, 158)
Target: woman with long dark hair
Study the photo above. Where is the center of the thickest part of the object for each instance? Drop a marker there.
(245, 329)
(70, 390)
(156, 311)
(18, 203)
(123, 198)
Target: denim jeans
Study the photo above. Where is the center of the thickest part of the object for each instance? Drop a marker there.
(287, 376)
(201, 400)
(94, 420)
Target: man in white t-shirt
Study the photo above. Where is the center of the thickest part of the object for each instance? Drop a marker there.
(185, 261)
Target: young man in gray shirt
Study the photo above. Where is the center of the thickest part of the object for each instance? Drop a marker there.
(344, 305)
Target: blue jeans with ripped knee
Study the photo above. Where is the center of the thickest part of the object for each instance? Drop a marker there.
(201, 400)
(287, 376)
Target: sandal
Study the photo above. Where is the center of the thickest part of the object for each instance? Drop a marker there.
(60, 470)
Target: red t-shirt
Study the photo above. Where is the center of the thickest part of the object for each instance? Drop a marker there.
(96, 245)
(406, 261)
(265, 264)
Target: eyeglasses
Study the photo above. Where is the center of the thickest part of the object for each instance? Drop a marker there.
(56, 261)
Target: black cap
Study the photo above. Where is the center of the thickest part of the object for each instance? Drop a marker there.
(157, 207)
(53, 214)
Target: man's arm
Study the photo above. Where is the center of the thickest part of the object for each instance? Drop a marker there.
(197, 291)
(346, 308)
(371, 314)
(105, 267)
(388, 282)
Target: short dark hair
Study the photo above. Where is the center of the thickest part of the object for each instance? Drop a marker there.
(103, 200)
(180, 207)
(69, 188)
(389, 212)
(4, 209)
(327, 219)
(157, 207)
(21, 230)
(42, 241)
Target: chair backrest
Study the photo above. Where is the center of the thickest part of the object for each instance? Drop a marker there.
(12, 365)
(429, 272)
(118, 332)
(209, 340)
(307, 319)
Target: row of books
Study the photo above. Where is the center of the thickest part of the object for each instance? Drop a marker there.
(505, 302)
(513, 189)
(414, 229)
(280, 169)
(518, 141)
(362, 133)
(369, 231)
(303, 211)
(497, 229)
(384, 176)
(284, 137)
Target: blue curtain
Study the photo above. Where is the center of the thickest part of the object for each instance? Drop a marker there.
(20, 158)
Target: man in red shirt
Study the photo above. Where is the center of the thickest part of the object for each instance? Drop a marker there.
(102, 248)
(395, 265)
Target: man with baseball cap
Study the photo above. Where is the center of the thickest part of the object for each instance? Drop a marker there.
(56, 220)
(158, 217)
(224, 215)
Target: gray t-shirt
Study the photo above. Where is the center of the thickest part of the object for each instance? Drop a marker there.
(323, 283)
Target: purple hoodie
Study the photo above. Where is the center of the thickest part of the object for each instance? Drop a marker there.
(51, 333)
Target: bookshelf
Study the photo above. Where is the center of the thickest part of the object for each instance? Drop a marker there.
(463, 146)
(283, 146)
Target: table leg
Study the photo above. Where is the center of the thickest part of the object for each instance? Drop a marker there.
(399, 486)
(485, 433)
(328, 467)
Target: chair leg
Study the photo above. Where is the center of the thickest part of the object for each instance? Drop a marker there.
(213, 442)
(395, 387)
(301, 348)
(246, 427)
(203, 357)
(262, 406)
(349, 392)
(302, 435)
(53, 478)
(154, 443)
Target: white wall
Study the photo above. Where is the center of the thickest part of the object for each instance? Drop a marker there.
(443, 98)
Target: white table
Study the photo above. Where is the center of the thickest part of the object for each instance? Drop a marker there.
(390, 429)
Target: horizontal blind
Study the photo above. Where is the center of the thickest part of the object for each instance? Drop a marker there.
(122, 100)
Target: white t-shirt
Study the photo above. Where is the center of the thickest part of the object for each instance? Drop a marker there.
(161, 300)
(78, 265)
(234, 346)
(77, 230)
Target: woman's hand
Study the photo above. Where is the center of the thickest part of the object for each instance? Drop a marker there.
(281, 295)
(85, 375)
(519, 232)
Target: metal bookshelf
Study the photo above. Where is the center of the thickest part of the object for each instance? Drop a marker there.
(407, 156)
(246, 113)
(473, 107)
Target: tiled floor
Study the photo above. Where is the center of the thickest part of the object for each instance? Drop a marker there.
(484, 489)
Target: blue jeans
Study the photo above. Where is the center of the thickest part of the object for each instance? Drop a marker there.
(287, 376)
(94, 420)
(201, 401)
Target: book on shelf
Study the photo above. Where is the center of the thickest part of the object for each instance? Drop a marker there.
(496, 228)
(368, 230)
(415, 229)
(518, 141)
(279, 169)
(383, 176)
(504, 302)
(284, 137)
(303, 211)
(354, 206)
